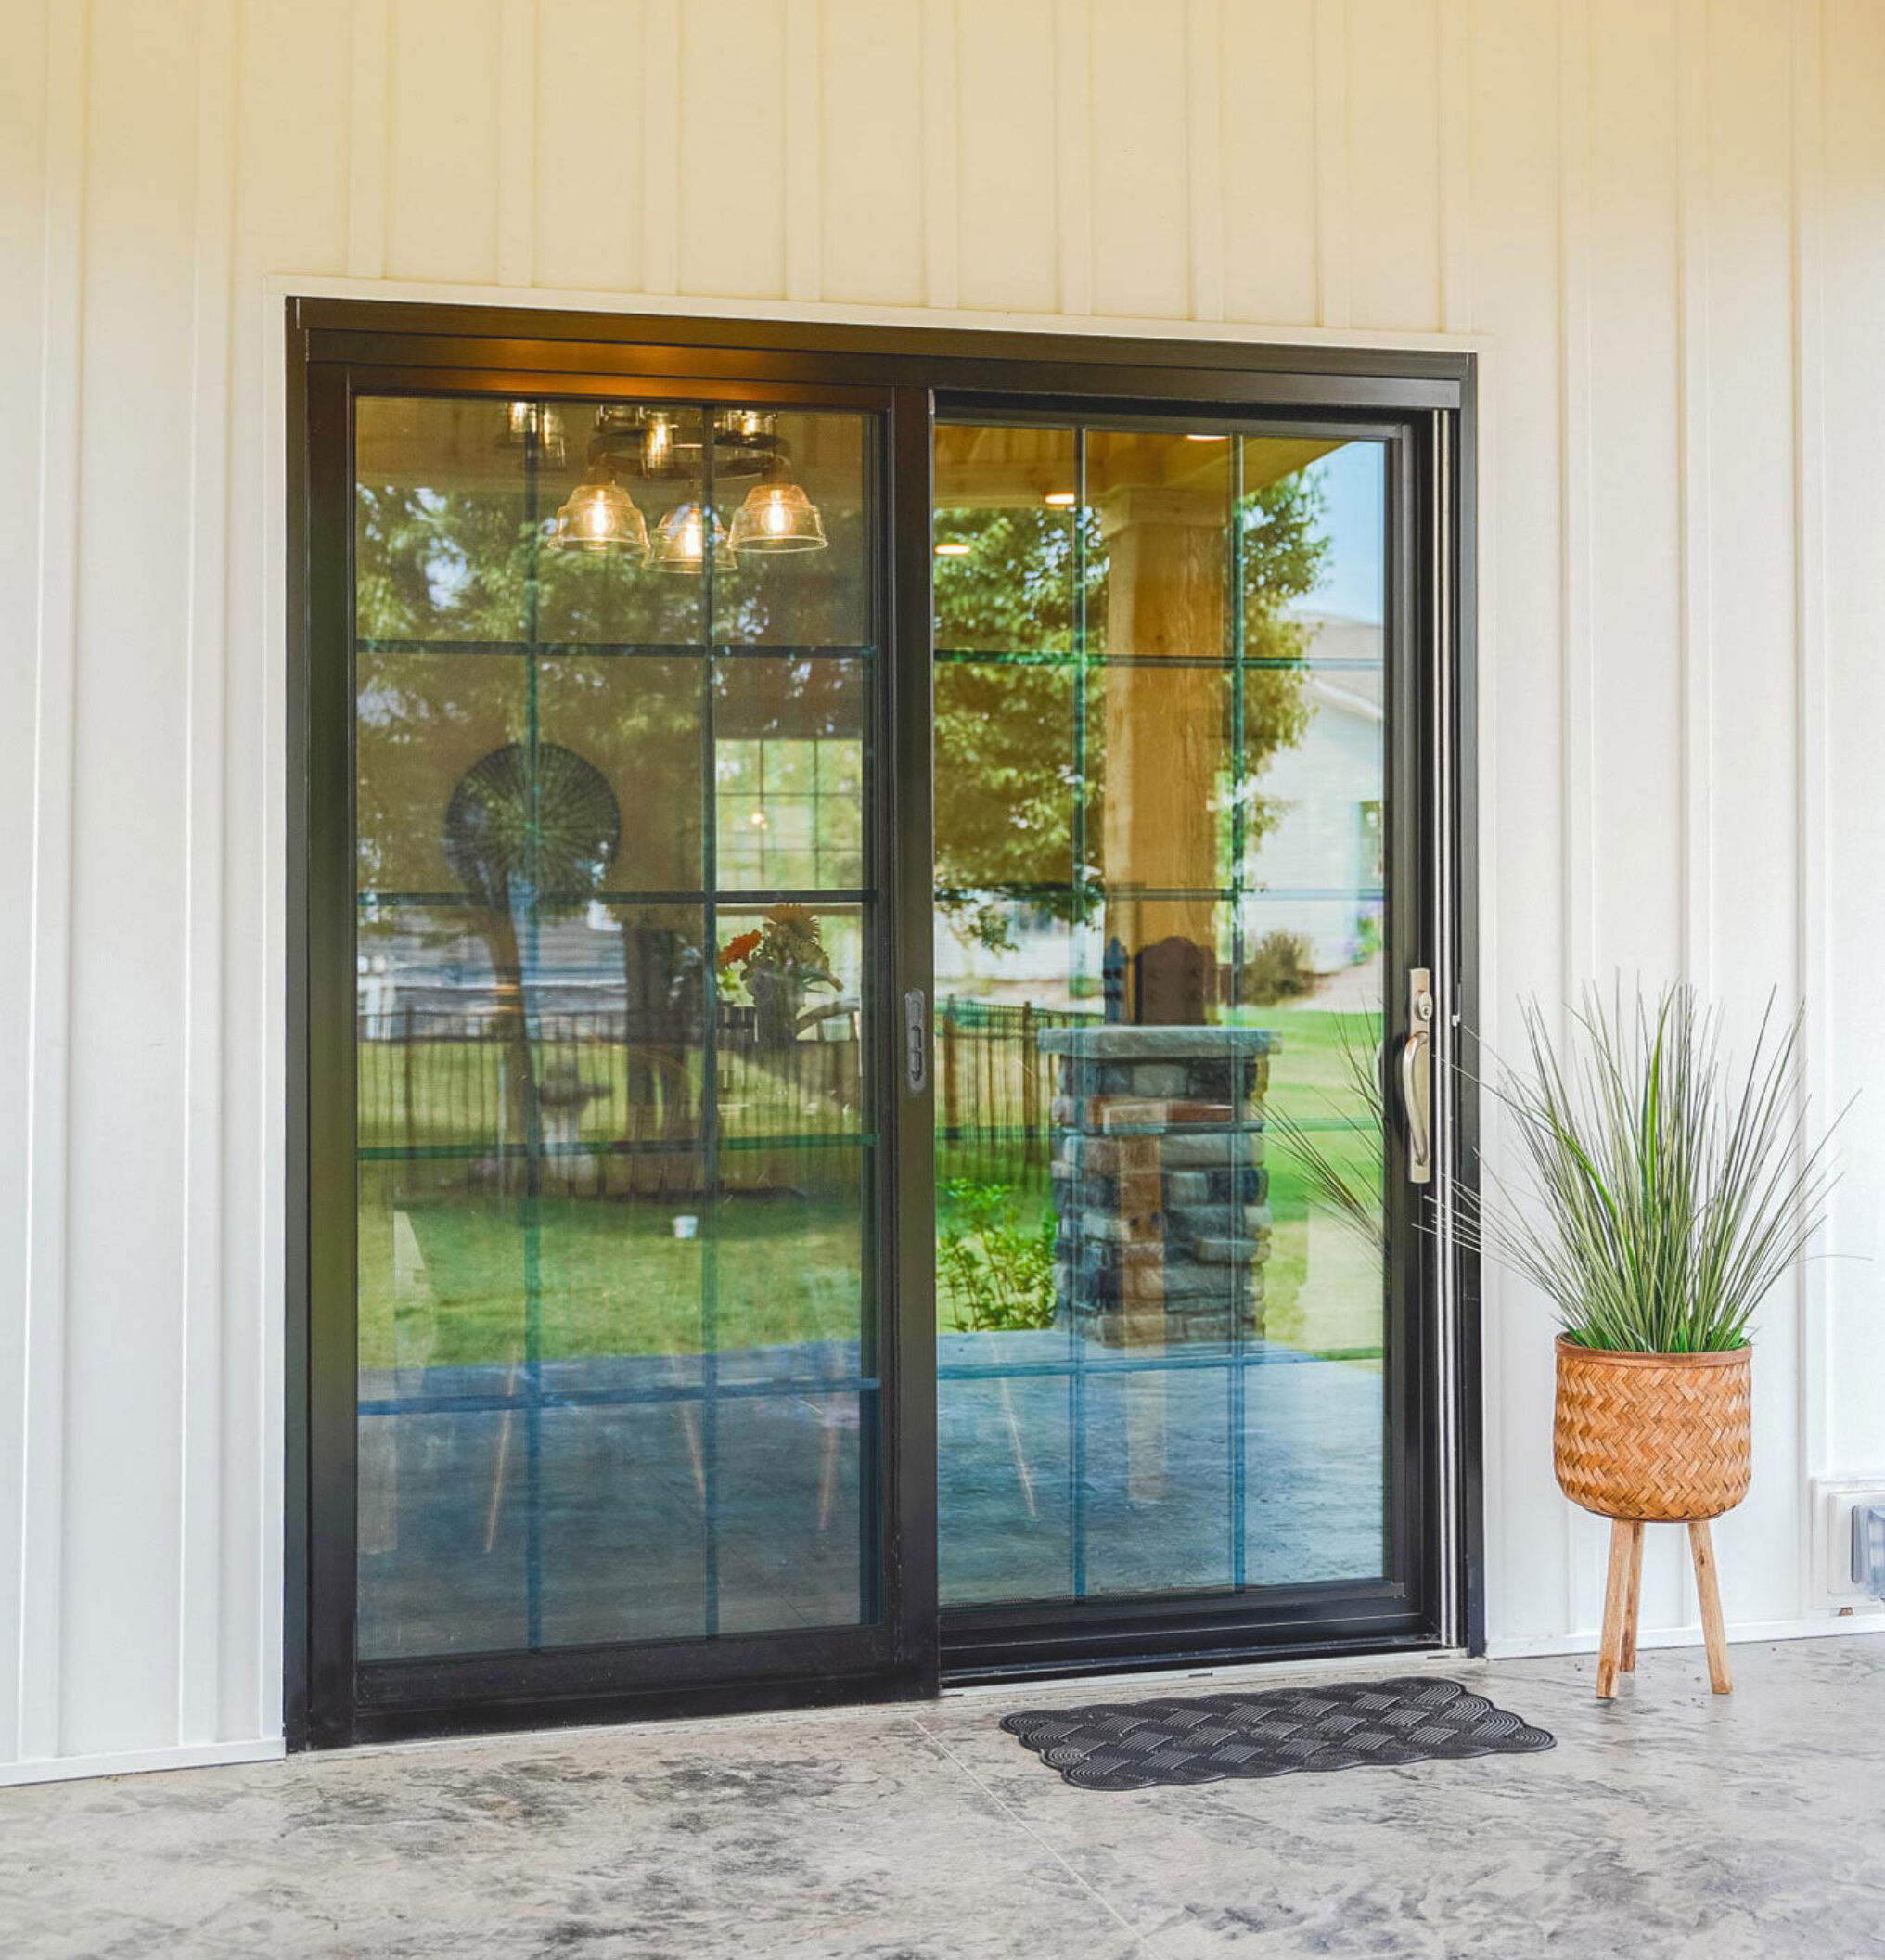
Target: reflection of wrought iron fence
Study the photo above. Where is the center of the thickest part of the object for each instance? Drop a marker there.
(994, 1090)
(616, 1090)
(617, 1098)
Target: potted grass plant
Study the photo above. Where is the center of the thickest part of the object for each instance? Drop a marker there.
(1661, 1194)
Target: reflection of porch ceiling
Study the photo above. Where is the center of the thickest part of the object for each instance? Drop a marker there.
(1004, 466)
(459, 443)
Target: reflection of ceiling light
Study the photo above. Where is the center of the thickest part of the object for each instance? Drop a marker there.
(778, 516)
(1207, 438)
(954, 551)
(523, 420)
(1060, 499)
(680, 540)
(658, 443)
(600, 517)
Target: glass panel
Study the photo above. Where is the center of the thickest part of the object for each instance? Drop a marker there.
(800, 573)
(1006, 558)
(1158, 1493)
(789, 771)
(792, 1249)
(792, 989)
(617, 1321)
(443, 521)
(618, 598)
(1160, 815)
(1156, 516)
(791, 1471)
(1017, 725)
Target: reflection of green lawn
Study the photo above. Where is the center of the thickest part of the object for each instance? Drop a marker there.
(612, 1278)
(1321, 1287)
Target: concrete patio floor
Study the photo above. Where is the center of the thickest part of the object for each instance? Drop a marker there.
(1666, 1823)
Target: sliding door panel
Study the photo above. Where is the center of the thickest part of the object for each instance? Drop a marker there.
(1165, 939)
(618, 947)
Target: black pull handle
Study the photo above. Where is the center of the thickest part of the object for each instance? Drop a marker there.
(916, 1040)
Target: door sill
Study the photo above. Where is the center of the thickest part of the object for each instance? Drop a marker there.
(1335, 1657)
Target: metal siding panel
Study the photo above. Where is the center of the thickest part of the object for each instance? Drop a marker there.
(127, 1192)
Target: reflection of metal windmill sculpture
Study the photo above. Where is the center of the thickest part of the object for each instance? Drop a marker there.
(531, 830)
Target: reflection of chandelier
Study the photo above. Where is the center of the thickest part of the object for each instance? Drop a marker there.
(659, 445)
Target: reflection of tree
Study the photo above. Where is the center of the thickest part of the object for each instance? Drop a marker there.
(530, 835)
(1007, 780)
(450, 568)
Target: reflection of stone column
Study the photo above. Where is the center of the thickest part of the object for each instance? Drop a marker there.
(1159, 1186)
(1164, 723)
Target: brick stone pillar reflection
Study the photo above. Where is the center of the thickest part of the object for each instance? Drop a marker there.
(1161, 1190)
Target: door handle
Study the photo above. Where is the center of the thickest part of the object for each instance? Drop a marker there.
(1416, 1076)
(916, 1040)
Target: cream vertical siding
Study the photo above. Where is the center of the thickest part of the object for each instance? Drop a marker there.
(1664, 219)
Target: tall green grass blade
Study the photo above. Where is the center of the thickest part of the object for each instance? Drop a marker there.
(1660, 1195)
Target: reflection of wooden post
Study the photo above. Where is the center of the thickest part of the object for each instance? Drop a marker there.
(1031, 1092)
(1164, 747)
(1164, 723)
(951, 1095)
(994, 1157)
(411, 1106)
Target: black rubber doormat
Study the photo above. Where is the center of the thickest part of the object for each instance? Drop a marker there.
(1132, 1745)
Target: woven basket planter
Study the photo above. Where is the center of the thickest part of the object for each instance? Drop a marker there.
(1654, 1439)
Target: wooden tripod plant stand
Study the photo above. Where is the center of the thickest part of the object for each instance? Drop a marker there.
(1624, 1594)
(1654, 1439)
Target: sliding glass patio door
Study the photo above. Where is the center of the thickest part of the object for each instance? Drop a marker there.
(870, 964)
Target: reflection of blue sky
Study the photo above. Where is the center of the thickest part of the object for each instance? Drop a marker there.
(1353, 479)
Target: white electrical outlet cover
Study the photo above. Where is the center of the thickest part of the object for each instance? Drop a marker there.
(1834, 1501)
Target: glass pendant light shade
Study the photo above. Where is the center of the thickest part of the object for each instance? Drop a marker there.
(778, 516)
(681, 538)
(600, 517)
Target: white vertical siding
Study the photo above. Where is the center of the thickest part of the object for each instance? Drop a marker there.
(1667, 217)
(1845, 580)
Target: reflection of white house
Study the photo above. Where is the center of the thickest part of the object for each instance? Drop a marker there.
(1318, 871)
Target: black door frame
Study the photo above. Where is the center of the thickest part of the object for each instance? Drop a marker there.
(336, 347)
